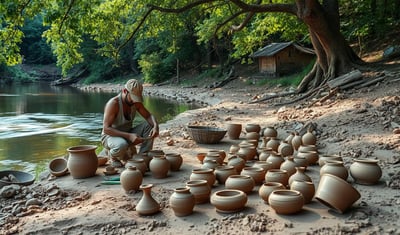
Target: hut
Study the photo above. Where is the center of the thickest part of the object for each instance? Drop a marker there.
(278, 59)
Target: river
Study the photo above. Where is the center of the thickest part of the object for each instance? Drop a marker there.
(38, 122)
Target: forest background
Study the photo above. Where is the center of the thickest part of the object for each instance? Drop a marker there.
(104, 41)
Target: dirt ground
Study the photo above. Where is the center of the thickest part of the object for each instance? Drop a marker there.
(353, 124)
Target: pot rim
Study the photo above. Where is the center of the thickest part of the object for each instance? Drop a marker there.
(366, 160)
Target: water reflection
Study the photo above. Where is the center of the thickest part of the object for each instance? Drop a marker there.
(39, 122)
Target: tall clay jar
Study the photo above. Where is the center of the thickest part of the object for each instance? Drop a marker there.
(131, 179)
(267, 188)
(275, 175)
(223, 172)
(147, 205)
(296, 140)
(203, 174)
(334, 168)
(175, 161)
(234, 130)
(159, 167)
(243, 183)
(365, 171)
(182, 202)
(306, 188)
(200, 190)
(82, 161)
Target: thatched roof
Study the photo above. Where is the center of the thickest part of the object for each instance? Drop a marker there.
(274, 48)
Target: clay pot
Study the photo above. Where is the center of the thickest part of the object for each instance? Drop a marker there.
(264, 153)
(273, 143)
(308, 138)
(147, 158)
(331, 191)
(285, 201)
(254, 142)
(308, 147)
(252, 136)
(243, 183)
(58, 166)
(210, 164)
(251, 127)
(155, 152)
(296, 141)
(289, 165)
(323, 158)
(275, 175)
(234, 130)
(306, 188)
(159, 167)
(220, 152)
(237, 162)
(147, 205)
(334, 168)
(200, 190)
(234, 148)
(263, 164)
(285, 149)
(204, 174)
(301, 161)
(139, 163)
(213, 156)
(82, 161)
(247, 150)
(275, 159)
(223, 172)
(101, 160)
(257, 173)
(131, 179)
(299, 175)
(289, 138)
(270, 131)
(201, 156)
(175, 161)
(182, 202)
(228, 200)
(365, 171)
(267, 188)
(311, 156)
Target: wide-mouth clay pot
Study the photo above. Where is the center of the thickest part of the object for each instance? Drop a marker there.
(336, 193)
(365, 171)
(286, 201)
(229, 200)
(58, 167)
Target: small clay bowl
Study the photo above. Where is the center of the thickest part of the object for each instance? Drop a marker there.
(58, 167)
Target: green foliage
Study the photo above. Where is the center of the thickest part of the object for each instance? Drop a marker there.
(155, 68)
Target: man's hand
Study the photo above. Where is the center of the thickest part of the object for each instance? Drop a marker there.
(135, 139)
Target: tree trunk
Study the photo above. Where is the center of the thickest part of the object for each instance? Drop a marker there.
(334, 55)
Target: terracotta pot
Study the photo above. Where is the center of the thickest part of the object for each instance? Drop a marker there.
(324, 157)
(234, 148)
(175, 161)
(220, 152)
(308, 138)
(267, 188)
(365, 171)
(234, 130)
(210, 164)
(334, 168)
(285, 149)
(263, 164)
(307, 147)
(101, 161)
(200, 190)
(147, 158)
(58, 166)
(299, 175)
(139, 163)
(275, 159)
(159, 167)
(182, 202)
(155, 152)
(252, 136)
(201, 156)
(257, 173)
(273, 143)
(253, 142)
(147, 205)
(289, 165)
(301, 161)
(270, 131)
(131, 179)
(237, 162)
(247, 150)
(243, 183)
(229, 200)
(204, 174)
(213, 156)
(264, 153)
(310, 156)
(275, 175)
(285, 201)
(223, 172)
(306, 188)
(251, 127)
(331, 191)
(82, 161)
(296, 141)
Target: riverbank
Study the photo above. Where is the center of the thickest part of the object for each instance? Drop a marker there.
(356, 124)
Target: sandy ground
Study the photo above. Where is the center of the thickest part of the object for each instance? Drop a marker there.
(352, 124)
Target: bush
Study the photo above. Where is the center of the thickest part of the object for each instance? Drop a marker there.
(155, 69)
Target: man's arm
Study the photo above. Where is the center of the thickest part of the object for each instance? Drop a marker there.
(149, 118)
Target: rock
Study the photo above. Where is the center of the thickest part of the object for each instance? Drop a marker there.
(9, 191)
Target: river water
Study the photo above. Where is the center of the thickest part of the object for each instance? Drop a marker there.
(38, 122)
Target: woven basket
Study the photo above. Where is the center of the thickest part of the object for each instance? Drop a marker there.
(206, 134)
